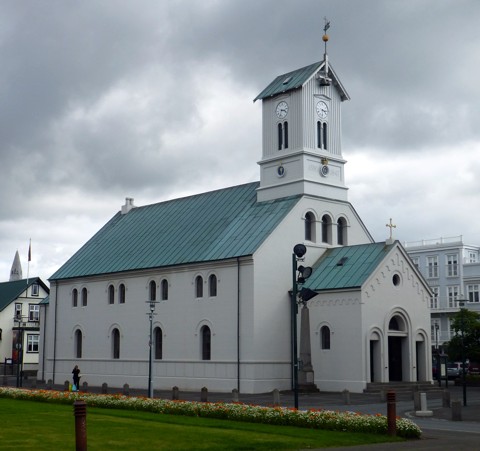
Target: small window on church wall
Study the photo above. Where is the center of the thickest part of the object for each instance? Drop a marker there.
(280, 136)
(84, 297)
(326, 229)
(324, 136)
(393, 324)
(342, 231)
(158, 337)
(74, 297)
(199, 287)
(285, 134)
(319, 134)
(111, 294)
(78, 344)
(115, 344)
(206, 343)
(310, 227)
(212, 285)
(396, 280)
(325, 337)
(164, 289)
(121, 293)
(152, 291)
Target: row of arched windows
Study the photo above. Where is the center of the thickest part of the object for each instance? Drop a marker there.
(326, 229)
(152, 291)
(205, 343)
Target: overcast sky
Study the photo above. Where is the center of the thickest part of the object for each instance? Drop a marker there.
(152, 99)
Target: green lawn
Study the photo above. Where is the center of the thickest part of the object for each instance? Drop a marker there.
(44, 426)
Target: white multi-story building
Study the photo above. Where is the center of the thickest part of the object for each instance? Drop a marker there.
(452, 269)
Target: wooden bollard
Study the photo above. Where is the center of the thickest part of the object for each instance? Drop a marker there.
(346, 396)
(175, 393)
(80, 413)
(66, 386)
(49, 384)
(85, 387)
(204, 395)
(391, 413)
(104, 388)
(126, 390)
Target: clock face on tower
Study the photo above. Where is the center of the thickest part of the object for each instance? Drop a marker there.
(322, 109)
(282, 109)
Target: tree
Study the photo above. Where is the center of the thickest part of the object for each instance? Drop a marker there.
(468, 322)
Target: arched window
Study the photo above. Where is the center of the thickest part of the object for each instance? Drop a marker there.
(74, 297)
(164, 289)
(206, 342)
(393, 324)
(152, 291)
(78, 344)
(342, 231)
(115, 343)
(158, 343)
(324, 136)
(280, 136)
(319, 134)
(111, 294)
(310, 226)
(199, 287)
(84, 297)
(326, 229)
(212, 285)
(121, 294)
(325, 337)
(285, 134)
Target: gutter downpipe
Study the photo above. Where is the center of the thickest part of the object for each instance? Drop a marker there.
(55, 333)
(238, 324)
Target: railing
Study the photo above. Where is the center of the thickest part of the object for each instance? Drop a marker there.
(434, 242)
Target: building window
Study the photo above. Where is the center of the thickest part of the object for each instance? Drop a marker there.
(212, 285)
(18, 312)
(116, 343)
(164, 289)
(152, 291)
(35, 289)
(416, 261)
(158, 343)
(74, 297)
(342, 231)
(78, 344)
(432, 267)
(33, 312)
(472, 257)
(452, 265)
(282, 130)
(322, 135)
(32, 343)
(199, 287)
(326, 229)
(310, 227)
(84, 297)
(452, 296)
(121, 294)
(434, 298)
(111, 294)
(206, 343)
(325, 337)
(473, 291)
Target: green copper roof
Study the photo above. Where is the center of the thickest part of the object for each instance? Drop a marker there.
(289, 81)
(217, 225)
(9, 291)
(346, 267)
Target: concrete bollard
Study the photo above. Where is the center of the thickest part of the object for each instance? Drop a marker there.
(276, 397)
(446, 398)
(391, 413)
(456, 410)
(85, 387)
(80, 413)
(235, 395)
(175, 393)
(416, 400)
(126, 390)
(204, 395)
(423, 412)
(104, 388)
(346, 396)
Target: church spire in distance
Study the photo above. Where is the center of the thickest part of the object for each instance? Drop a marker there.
(16, 271)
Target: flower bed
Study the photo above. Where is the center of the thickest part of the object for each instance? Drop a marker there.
(315, 419)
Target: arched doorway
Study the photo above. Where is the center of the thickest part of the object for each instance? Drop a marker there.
(375, 343)
(398, 358)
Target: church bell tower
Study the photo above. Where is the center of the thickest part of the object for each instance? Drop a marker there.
(301, 128)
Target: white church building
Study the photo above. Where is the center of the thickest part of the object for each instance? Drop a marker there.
(219, 267)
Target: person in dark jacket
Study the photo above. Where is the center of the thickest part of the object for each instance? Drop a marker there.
(76, 377)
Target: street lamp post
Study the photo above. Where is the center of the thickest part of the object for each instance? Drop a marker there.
(150, 345)
(464, 373)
